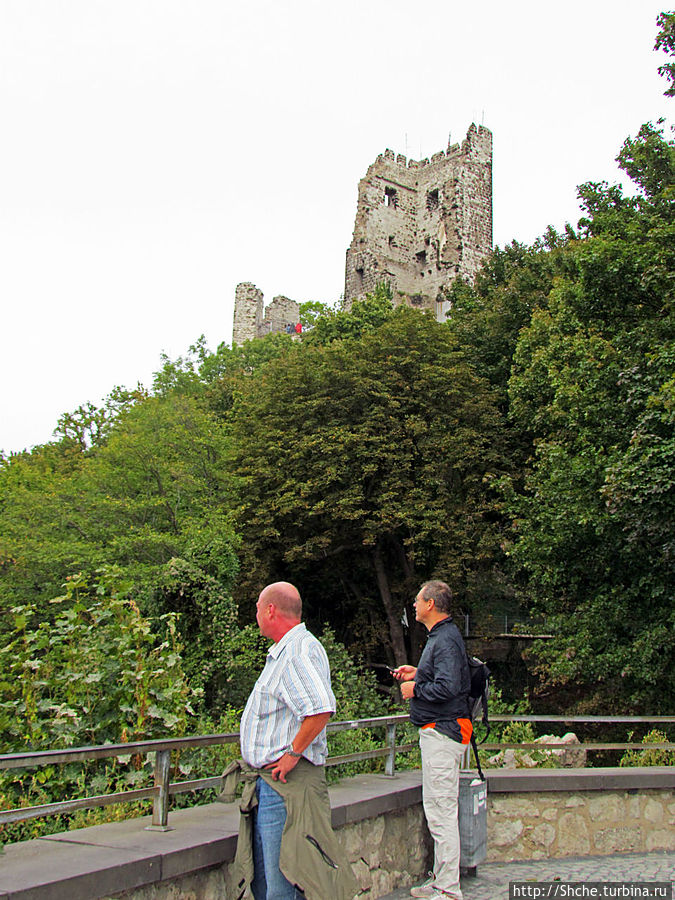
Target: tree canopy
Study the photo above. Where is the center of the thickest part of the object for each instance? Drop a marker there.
(365, 465)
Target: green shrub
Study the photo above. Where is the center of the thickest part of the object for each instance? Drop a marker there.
(99, 673)
(650, 756)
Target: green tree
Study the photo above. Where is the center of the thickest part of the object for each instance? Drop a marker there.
(665, 40)
(365, 466)
(363, 316)
(311, 311)
(592, 384)
(152, 498)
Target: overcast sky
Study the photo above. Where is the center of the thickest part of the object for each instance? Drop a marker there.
(155, 153)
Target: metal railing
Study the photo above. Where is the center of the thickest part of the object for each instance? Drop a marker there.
(163, 787)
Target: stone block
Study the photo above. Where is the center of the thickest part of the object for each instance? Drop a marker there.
(352, 842)
(373, 834)
(361, 872)
(573, 839)
(567, 757)
(661, 839)
(543, 834)
(608, 808)
(504, 833)
(632, 807)
(618, 840)
(517, 806)
(654, 812)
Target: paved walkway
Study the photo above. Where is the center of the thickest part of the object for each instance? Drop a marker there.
(492, 881)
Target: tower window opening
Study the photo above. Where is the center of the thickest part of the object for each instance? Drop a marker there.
(390, 198)
(433, 200)
(421, 257)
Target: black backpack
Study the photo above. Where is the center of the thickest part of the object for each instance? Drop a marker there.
(478, 701)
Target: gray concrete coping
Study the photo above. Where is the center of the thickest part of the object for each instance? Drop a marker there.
(601, 779)
(105, 859)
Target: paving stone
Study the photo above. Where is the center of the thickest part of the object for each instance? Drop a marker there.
(492, 879)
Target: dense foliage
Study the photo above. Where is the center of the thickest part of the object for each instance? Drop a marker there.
(364, 466)
(589, 392)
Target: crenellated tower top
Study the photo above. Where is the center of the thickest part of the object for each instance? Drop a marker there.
(422, 223)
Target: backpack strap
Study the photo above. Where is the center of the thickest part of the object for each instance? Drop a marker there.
(475, 753)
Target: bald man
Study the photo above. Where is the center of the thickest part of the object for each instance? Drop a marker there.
(283, 723)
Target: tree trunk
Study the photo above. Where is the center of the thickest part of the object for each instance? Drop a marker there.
(393, 613)
(417, 634)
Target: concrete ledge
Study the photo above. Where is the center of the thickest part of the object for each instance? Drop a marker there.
(37, 870)
(606, 779)
(367, 796)
(121, 856)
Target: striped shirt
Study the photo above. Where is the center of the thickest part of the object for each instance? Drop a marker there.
(295, 683)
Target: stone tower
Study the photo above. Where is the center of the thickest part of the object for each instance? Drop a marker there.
(419, 225)
(253, 320)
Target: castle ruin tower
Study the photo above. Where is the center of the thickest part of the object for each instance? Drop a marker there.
(248, 312)
(252, 319)
(420, 225)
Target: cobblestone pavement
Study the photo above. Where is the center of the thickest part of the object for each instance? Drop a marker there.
(492, 880)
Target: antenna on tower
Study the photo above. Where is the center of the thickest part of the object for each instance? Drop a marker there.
(482, 117)
(406, 143)
(449, 139)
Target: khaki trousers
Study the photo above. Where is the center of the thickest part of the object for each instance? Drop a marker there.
(441, 758)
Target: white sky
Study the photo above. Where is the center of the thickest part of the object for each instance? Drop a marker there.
(154, 153)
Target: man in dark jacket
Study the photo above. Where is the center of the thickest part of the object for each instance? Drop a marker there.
(438, 690)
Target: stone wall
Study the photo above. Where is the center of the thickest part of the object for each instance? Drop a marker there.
(382, 855)
(252, 319)
(581, 823)
(248, 305)
(421, 224)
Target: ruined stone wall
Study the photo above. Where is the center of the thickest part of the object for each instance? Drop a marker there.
(421, 224)
(248, 305)
(280, 313)
(253, 320)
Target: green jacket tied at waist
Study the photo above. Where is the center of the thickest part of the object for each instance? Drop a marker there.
(311, 857)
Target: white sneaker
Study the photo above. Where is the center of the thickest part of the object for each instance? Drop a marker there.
(425, 890)
(428, 890)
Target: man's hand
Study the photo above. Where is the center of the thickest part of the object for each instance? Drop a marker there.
(310, 727)
(407, 689)
(283, 766)
(404, 673)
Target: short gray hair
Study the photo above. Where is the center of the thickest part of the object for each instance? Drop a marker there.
(440, 593)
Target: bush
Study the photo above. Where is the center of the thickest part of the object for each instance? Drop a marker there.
(100, 673)
(650, 756)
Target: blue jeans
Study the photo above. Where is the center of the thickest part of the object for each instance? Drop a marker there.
(268, 824)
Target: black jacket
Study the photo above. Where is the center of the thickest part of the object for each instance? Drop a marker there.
(442, 681)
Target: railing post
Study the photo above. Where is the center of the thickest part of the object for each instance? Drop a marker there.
(390, 759)
(160, 803)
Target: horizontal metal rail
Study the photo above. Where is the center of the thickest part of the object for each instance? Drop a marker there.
(163, 787)
(67, 806)
(580, 746)
(611, 720)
